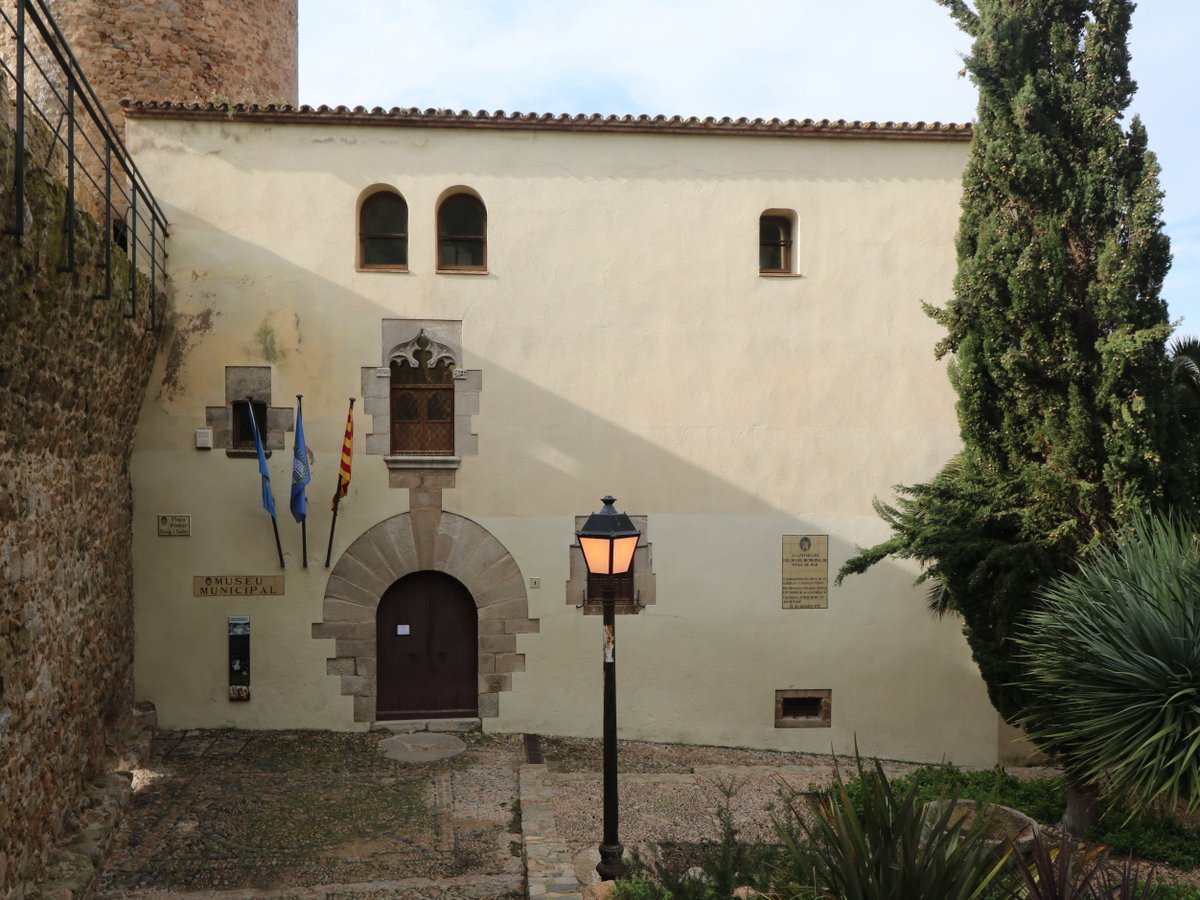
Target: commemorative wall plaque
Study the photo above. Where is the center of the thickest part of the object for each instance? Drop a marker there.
(237, 585)
(805, 571)
(172, 525)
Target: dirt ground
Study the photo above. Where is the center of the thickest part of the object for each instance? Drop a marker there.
(311, 814)
(287, 812)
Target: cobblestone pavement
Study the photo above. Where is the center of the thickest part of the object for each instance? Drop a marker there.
(318, 814)
(326, 815)
(670, 793)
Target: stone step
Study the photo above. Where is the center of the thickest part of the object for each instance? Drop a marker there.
(412, 726)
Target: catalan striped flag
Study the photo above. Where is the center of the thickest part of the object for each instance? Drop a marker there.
(343, 485)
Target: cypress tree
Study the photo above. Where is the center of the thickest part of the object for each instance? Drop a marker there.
(1056, 329)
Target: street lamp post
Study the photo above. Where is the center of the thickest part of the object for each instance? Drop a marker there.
(608, 540)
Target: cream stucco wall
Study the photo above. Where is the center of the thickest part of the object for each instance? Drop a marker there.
(628, 345)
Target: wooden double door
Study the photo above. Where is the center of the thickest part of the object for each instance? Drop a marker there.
(427, 663)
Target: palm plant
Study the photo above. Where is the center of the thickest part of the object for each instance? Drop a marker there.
(896, 848)
(1113, 662)
(1184, 354)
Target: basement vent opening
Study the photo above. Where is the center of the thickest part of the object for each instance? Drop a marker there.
(803, 708)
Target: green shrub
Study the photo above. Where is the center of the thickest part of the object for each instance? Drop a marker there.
(1149, 836)
(1042, 799)
(715, 870)
(883, 844)
(1177, 892)
(638, 888)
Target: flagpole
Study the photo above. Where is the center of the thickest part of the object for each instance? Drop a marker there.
(268, 500)
(304, 521)
(337, 494)
(333, 524)
(278, 546)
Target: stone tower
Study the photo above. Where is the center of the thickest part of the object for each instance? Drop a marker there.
(235, 51)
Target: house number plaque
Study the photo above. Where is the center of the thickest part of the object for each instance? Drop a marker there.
(805, 571)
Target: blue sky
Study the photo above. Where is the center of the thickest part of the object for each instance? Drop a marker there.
(852, 59)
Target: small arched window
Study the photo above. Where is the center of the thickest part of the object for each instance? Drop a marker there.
(383, 232)
(462, 234)
(775, 250)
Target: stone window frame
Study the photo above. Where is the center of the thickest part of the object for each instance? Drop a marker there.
(360, 250)
(398, 340)
(253, 382)
(788, 243)
(577, 594)
(241, 438)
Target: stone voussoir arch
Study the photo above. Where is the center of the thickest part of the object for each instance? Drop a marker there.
(424, 540)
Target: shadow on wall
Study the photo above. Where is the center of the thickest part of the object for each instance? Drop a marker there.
(819, 456)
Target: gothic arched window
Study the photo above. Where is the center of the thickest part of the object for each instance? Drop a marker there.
(422, 409)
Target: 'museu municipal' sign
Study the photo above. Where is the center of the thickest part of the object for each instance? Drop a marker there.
(237, 585)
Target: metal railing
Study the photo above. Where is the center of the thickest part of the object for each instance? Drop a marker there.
(55, 111)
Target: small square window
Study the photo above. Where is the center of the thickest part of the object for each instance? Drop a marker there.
(242, 433)
(775, 245)
(804, 708)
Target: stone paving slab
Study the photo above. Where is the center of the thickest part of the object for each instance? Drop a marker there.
(487, 887)
(422, 747)
(318, 814)
(549, 869)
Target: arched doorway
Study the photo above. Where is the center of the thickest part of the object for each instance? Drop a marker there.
(426, 633)
(424, 540)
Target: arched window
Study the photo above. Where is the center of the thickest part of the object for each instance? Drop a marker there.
(422, 403)
(775, 255)
(383, 232)
(462, 234)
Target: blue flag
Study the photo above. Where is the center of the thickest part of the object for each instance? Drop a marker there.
(267, 499)
(301, 471)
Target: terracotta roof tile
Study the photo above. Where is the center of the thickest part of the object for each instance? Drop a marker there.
(413, 117)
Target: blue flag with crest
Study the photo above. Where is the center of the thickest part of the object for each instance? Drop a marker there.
(268, 500)
(301, 470)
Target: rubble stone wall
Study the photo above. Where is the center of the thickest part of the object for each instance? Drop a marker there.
(229, 51)
(73, 371)
(239, 51)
